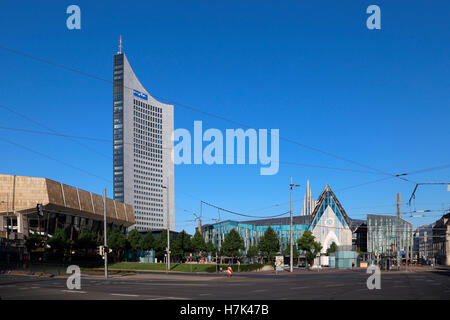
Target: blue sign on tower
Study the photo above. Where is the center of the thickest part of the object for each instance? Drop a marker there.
(140, 95)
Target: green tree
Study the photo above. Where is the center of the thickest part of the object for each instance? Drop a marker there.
(116, 242)
(148, 242)
(210, 248)
(287, 251)
(269, 245)
(252, 252)
(58, 242)
(331, 248)
(232, 244)
(135, 240)
(182, 245)
(86, 241)
(33, 242)
(198, 242)
(309, 246)
(160, 244)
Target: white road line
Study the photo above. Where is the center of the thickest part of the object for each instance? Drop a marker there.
(74, 291)
(124, 295)
(334, 285)
(262, 290)
(204, 294)
(168, 298)
(297, 288)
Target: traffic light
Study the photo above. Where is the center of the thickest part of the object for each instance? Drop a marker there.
(40, 210)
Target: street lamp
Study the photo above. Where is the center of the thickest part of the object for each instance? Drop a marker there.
(291, 257)
(168, 228)
(7, 229)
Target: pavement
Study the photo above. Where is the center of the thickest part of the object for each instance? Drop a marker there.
(326, 284)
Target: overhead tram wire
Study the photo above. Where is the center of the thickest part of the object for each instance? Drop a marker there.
(244, 215)
(48, 62)
(280, 162)
(110, 141)
(54, 159)
(54, 131)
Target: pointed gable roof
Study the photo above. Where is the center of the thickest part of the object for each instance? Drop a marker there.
(322, 204)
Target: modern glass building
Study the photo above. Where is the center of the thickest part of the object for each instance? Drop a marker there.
(252, 231)
(388, 236)
(142, 130)
(329, 223)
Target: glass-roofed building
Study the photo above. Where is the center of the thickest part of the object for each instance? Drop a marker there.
(328, 222)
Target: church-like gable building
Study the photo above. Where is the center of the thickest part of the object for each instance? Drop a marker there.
(330, 223)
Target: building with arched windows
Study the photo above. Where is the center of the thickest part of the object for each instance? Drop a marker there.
(328, 222)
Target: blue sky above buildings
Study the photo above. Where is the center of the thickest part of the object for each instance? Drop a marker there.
(313, 70)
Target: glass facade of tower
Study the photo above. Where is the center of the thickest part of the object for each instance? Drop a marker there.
(118, 128)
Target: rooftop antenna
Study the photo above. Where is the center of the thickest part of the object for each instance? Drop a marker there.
(120, 44)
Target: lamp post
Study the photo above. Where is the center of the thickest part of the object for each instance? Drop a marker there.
(168, 228)
(291, 257)
(7, 229)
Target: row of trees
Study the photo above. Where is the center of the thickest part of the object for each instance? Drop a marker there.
(269, 246)
(181, 247)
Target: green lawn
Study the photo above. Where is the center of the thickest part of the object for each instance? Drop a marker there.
(181, 267)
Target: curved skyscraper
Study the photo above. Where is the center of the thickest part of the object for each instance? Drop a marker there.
(143, 169)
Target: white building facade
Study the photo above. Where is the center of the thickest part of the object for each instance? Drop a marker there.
(142, 134)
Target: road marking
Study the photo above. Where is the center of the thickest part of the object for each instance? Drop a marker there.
(74, 291)
(334, 285)
(296, 288)
(262, 290)
(124, 295)
(204, 294)
(168, 298)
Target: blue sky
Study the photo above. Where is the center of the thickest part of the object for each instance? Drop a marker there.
(313, 70)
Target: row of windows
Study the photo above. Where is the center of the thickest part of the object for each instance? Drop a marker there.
(145, 123)
(149, 145)
(157, 175)
(151, 116)
(155, 133)
(147, 168)
(136, 207)
(147, 106)
(156, 139)
(136, 182)
(145, 179)
(148, 155)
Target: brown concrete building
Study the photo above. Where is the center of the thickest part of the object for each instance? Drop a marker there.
(62, 206)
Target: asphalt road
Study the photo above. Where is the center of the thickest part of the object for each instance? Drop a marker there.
(348, 284)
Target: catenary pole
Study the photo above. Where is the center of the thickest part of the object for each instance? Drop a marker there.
(105, 246)
(7, 230)
(291, 258)
(291, 236)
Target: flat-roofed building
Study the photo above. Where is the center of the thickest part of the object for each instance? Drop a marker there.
(62, 206)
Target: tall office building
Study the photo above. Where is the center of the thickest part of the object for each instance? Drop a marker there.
(143, 168)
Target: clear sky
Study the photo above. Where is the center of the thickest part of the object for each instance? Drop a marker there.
(311, 69)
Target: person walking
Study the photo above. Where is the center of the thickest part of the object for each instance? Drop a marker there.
(230, 270)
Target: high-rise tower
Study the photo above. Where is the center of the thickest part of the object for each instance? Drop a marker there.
(142, 131)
